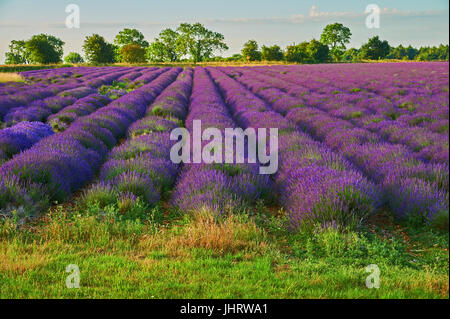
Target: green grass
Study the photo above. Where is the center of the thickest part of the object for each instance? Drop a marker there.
(171, 255)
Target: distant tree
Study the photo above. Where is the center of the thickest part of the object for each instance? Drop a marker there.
(234, 58)
(173, 47)
(130, 36)
(411, 52)
(374, 49)
(250, 51)
(73, 57)
(126, 37)
(440, 53)
(44, 49)
(336, 35)
(133, 53)
(297, 53)
(318, 52)
(351, 55)
(97, 50)
(17, 54)
(272, 53)
(156, 52)
(199, 42)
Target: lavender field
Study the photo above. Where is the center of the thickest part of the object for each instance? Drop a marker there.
(356, 143)
(353, 139)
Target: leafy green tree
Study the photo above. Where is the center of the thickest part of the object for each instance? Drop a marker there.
(173, 50)
(97, 50)
(130, 36)
(272, 53)
(336, 35)
(297, 53)
(250, 51)
(374, 49)
(156, 52)
(318, 52)
(411, 52)
(133, 53)
(17, 54)
(234, 58)
(44, 49)
(126, 37)
(73, 57)
(199, 42)
(351, 55)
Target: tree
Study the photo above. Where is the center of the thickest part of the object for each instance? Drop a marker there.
(130, 36)
(440, 53)
(374, 49)
(73, 57)
(17, 54)
(44, 49)
(272, 53)
(126, 37)
(250, 51)
(411, 52)
(297, 53)
(235, 58)
(336, 35)
(318, 52)
(133, 53)
(199, 42)
(351, 55)
(156, 52)
(97, 50)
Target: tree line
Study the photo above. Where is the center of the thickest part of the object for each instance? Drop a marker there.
(196, 43)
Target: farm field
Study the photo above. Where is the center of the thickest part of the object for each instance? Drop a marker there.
(87, 178)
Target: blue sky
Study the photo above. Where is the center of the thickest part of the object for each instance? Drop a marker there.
(281, 22)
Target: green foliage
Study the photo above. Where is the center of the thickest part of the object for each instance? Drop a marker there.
(307, 52)
(198, 42)
(166, 48)
(297, 53)
(40, 49)
(44, 49)
(351, 55)
(374, 49)
(130, 36)
(97, 50)
(133, 53)
(17, 54)
(250, 51)
(318, 52)
(440, 53)
(272, 53)
(125, 38)
(336, 35)
(73, 57)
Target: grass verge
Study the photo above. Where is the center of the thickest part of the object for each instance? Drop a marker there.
(170, 255)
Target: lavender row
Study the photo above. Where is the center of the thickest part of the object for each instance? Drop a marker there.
(141, 168)
(221, 188)
(58, 165)
(410, 187)
(61, 120)
(417, 97)
(20, 137)
(315, 184)
(16, 104)
(429, 146)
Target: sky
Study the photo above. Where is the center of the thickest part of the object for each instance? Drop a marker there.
(282, 22)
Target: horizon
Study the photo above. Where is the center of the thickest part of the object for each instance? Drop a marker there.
(401, 22)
